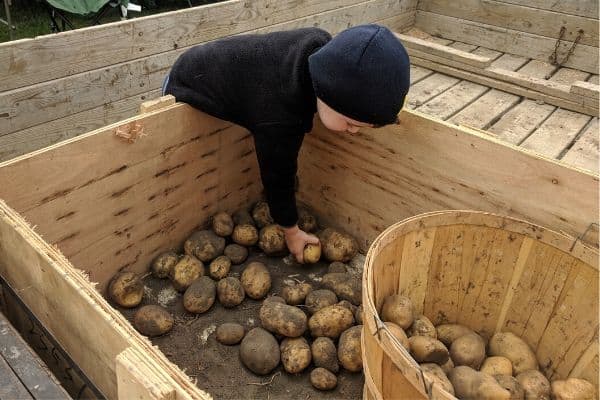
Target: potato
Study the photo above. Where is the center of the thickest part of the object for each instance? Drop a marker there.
(323, 379)
(200, 296)
(262, 215)
(256, 280)
(222, 224)
(242, 217)
(512, 385)
(306, 221)
(468, 350)
(318, 299)
(447, 366)
(337, 266)
(162, 265)
(509, 345)
(426, 349)
(330, 321)
(282, 319)
(312, 253)
(295, 355)
(435, 375)
(349, 352)
(358, 315)
(474, 385)
(230, 292)
(245, 235)
(230, 333)
(259, 351)
(345, 286)
(497, 365)
(126, 289)
(337, 246)
(448, 333)
(573, 389)
(186, 271)
(204, 245)
(275, 299)
(153, 321)
(271, 240)
(236, 253)
(399, 310)
(324, 354)
(296, 293)
(219, 267)
(422, 326)
(535, 385)
(398, 333)
(348, 305)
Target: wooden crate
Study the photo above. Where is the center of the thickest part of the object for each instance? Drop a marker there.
(75, 213)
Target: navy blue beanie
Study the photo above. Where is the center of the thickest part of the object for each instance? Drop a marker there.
(362, 73)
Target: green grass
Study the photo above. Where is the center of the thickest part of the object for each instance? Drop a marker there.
(31, 18)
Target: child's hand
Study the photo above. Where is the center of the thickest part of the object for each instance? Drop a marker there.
(296, 239)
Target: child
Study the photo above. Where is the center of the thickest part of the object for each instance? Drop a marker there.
(273, 84)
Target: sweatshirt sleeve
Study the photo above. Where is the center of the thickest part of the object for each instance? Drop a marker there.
(277, 154)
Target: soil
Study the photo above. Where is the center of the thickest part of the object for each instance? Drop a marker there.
(216, 368)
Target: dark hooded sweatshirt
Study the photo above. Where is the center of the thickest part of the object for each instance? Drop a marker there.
(262, 83)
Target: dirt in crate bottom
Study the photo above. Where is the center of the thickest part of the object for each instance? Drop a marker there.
(216, 368)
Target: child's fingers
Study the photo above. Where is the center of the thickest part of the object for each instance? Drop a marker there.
(313, 239)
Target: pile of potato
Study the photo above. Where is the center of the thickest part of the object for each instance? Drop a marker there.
(303, 325)
(465, 364)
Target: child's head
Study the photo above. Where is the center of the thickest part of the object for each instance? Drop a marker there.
(360, 78)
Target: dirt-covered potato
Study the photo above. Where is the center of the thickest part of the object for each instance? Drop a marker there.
(426, 349)
(358, 315)
(200, 296)
(230, 292)
(345, 286)
(448, 333)
(219, 267)
(398, 333)
(162, 265)
(349, 352)
(468, 350)
(509, 345)
(312, 253)
(511, 384)
(236, 253)
(474, 385)
(204, 245)
(271, 240)
(222, 224)
(242, 217)
(245, 235)
(296, 293)
(262, 215)
(256, 280)
(497, 365)
(153, 321)
(351, 307)
(259, 351)
(126, 289)
(282, 319)
(435, 374)
(337, 246)
(399, 310)
(324, 354)
(306, 221)
(422, 326)
(276, 299)
(330, 321)
(295, 354)
(573, 389)
(338, 267)
(535, 385)
(318, 299)
(447, 366)
(323, 379)
(229, 333)
(186, 271)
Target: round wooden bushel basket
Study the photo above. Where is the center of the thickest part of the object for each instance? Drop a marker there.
(488, 272)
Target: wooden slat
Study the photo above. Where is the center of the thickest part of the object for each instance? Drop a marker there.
(464, 47)
(568, 76)
(507, 40)
(584, 8)
(10, 385)
(486, 110)
(520, 18)
(484, 51)
(584, 153)
(420, 34)
(453, 99)
(157, 104)
(594, 79)
(509, 62)
(136, 379)
(586, 89)
(520, 121)
(556, 133)
(427, 88)
(400, 22)
(418, 73)
(537, 69)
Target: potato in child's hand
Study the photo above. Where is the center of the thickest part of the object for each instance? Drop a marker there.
(312, 253)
